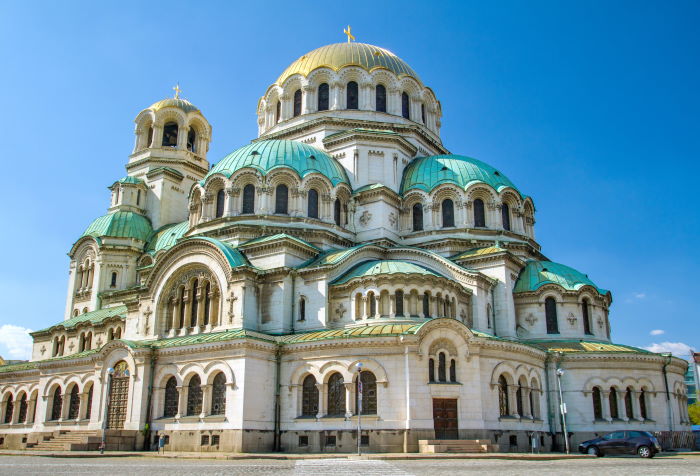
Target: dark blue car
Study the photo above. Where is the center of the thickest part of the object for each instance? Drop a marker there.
(641, 443)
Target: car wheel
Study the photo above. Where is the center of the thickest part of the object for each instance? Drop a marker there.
(644, 452)
(593, 450)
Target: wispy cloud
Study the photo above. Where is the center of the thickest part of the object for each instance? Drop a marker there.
(15, 342)
(639, 295)
(679, 349)
(657, 332)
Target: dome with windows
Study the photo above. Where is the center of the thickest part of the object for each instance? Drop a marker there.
(385, 267)
(536, 274)
(267, 155)
(426, 173)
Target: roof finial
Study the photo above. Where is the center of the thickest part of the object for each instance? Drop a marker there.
(177, 91)
(348, 32)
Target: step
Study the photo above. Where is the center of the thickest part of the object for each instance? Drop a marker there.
(450, 442)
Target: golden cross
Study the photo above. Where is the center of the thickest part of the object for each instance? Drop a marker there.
(348, 32)
(177, 91)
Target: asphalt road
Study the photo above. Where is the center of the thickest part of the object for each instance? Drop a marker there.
(146, 466)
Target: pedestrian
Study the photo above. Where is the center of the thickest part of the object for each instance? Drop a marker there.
(161, 443)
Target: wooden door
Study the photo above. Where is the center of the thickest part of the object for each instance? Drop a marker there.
(445, 418)
(118, 397)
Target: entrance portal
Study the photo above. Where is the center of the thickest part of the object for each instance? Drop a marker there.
(118, 396)
(445, 418)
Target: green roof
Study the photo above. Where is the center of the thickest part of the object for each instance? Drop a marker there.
(235, 258)
(93, 317)
(120, 225)
(426, 173)
(371, 186)
(130, 179)
(268, 155)
(536, 274)
(166, 236)
(332, 256)
(583, 346)
(207, 338)
(382, 267)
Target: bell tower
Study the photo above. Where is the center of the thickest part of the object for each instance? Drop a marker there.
(170, 155)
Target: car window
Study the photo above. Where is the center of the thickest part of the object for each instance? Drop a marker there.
(615, 436)
(637, 434)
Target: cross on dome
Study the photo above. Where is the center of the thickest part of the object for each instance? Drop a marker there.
(177, 91)
(348, 31)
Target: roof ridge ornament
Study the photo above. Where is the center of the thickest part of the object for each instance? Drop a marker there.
(177, 91)
(348, 31)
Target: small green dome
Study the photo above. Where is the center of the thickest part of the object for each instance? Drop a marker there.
(130, 180)
(536, 274)
(120, 225)
(379, 267)
(426, 173)
(268, 155)
(166, 236)
(183, 104)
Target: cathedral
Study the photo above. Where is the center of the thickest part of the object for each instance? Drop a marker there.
(344, 265)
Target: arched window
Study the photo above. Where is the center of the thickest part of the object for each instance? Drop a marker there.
(194, 396)
(336, 212)
(502, 396)
(417, 217)
(323, 97)
(453, 370)
(192, 140)
(448, 213)
(426, 304)
(297, 103)
(442, 371)
(207, 303)
(352, 95)
(195, 303)
(88, 410)
(422, 113)
(74, 404)
(138, 197)
(23, 409)
(586, 317)
(309, 397)
(88, 341)
(431, 370)
(614, 414)
(81, 342)
(405, 106)
(113, 281)
(312, 203)
(282, 199)
(550, 310)
(398, 297)
(110, 335)
(170, 134)
(172, 397)
(118, 333)
(220, 201)
(336, 395)
(56, 404)
(9, 409)
(302, 309)
(249, 199)
(519, 399)
(628, 403)
(369, 393)
(380, 96)
(181, 317)
(218, 395)
(488, 316)
(278, 110)
(150, 137)
(643, 405)
(479, 215)
(505, 215)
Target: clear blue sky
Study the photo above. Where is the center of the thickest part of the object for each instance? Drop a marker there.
(591, 107)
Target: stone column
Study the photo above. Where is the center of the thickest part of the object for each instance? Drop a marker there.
(157, 136)
(206, 399)
(188, 308)
(348, 399)
(636, 408)
(335, 90)
(66, 406)
(393, 100)
(181, 401)
(83, 405)
(285, 103)
(307, 99)
(31, 409)
(621, 410)
(392, 305)
(527, 410)
(322, 405)
(513, 401)
(365, 308)
(365, 103)
(605, 403)
(201, 299)
(182, 137)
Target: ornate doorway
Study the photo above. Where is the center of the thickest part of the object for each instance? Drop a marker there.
(118, 396)
(445, 418)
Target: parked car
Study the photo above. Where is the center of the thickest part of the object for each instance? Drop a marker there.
(641, 443)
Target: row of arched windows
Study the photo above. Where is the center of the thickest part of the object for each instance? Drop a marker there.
(195, 304)
(552, 320)
(17, 411)
(442, 370)
(448, 215)
(84, 276)
(57, 409)
(195, 397)
(382, 304)
(336, 395)
(614, 397)
(518, 400)
(171, 131)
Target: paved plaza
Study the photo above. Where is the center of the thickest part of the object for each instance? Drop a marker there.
(153, 466)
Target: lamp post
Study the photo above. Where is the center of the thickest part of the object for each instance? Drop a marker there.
(110, 372)
(359, 407)
(562, 410)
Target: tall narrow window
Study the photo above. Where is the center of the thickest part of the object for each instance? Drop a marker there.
(323, 97)
(138, 197)
(74, 403)
(172, 396)
(502, 396)
(352, 95)
(302, 309)
(220, 201)
(88, 410)
(278, 110)
(192, 140)
(519, 399)
(643, 405)
(312, 203)
(195, 303)
(448, 213)
(249, 199)
(417, 217)
(628, 403)
(550, 311)
(422, 113)
(405, 106)
(170, 134)
(56, 404)
(431, 370)
(9, 409)
(442, 371)
(372, 304)
(586, 317)
(218, 395)
(369, 393)
(398, 296)
(426, 304)
(194, 396)
(336, 212)
(297, 103)
(150, 137)
(380, 97)
(23, 409)
(282, 199)
(479, 215)
(505, 215)
(336, 395)
(453, 370)
(181, 317)
(207, 303)
(614, 414)
(309, 397)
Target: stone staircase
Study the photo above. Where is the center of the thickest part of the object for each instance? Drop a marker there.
(457, 446)
(79, 440)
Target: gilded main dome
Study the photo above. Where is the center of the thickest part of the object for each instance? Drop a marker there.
(339, 55)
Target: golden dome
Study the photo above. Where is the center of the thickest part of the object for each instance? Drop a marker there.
(339, 55)
(180, 103)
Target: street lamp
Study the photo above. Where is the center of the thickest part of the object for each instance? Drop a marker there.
(359, 406)
(110, 372)
(562, 409)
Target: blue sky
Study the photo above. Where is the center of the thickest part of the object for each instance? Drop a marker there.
(589, 107)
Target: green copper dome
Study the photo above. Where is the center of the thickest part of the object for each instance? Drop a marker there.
(166, 236)
(426, 173)
(379, 267)
(268, 155)
(120, 225)
(536, 274)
